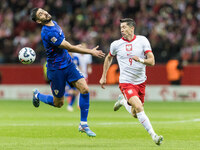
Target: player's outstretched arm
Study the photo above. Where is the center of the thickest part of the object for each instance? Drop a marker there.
(106, 65)
(82, 50)
(150, 61)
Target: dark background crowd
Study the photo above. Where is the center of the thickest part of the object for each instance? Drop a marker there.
(172, 26)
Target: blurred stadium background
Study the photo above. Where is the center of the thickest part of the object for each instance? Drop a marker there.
(173, 28)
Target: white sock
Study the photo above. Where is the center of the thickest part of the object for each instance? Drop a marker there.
(125, 104)
(83, 122)
(144, 120)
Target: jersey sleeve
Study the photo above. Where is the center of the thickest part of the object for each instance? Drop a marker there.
(146, 46)
(113, 49)
(55, 38)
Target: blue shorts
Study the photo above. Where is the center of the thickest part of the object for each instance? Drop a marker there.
(69, 86)
(59, 77)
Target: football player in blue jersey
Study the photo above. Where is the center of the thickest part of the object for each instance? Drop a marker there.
(60, 68)
(71, 92)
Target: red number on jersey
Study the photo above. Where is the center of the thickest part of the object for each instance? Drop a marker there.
(130, 60)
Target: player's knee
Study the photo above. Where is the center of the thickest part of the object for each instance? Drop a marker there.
(134, 115)
(133, 112)
(59, 104)
(138, 108)
(84, 90)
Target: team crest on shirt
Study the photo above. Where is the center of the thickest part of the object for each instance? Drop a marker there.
(56, 92)
(53, 39)
(129, 47)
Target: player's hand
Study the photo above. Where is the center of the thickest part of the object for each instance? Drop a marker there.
(97, 53)
(102, 81)
(135, 58)
(138, 59)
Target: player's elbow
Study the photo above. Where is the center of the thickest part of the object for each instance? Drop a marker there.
(66, 45)
(70, 48)
(153, 63)
(109, 58)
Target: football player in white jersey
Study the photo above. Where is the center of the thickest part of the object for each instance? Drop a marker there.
(133, 53)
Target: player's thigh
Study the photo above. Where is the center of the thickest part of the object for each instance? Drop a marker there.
(131, 93)
(76, 79)
(57, 82)
(81, 85)
(136, 103)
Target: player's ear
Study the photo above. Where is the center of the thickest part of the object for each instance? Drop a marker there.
(38, 21)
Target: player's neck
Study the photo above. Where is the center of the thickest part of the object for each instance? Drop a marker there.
(130, 37)
(50, 23)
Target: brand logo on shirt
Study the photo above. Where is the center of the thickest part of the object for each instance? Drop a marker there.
(56, 92)
(130, 92)
(128, 47)
(53, 39)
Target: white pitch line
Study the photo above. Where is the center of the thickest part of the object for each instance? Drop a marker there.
(100, 123)
(157, 122)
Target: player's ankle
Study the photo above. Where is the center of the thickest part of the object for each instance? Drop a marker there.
(153, 136)
(83, 122)
(122, 102)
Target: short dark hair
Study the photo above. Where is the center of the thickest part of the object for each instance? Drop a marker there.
(33, 14)
(130, 22)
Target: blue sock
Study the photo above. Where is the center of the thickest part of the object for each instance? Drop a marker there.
(84, 106)
(48, 99)
(72, 100)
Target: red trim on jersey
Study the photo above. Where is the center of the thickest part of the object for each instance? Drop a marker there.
(147, 51)
(130, 40)
(111, 54)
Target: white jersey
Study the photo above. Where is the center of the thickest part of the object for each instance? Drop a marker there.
(131, 71)
(84, 60)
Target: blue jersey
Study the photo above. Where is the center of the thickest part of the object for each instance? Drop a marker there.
(52, 37)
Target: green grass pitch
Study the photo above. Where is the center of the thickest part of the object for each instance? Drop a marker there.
(23, 127)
